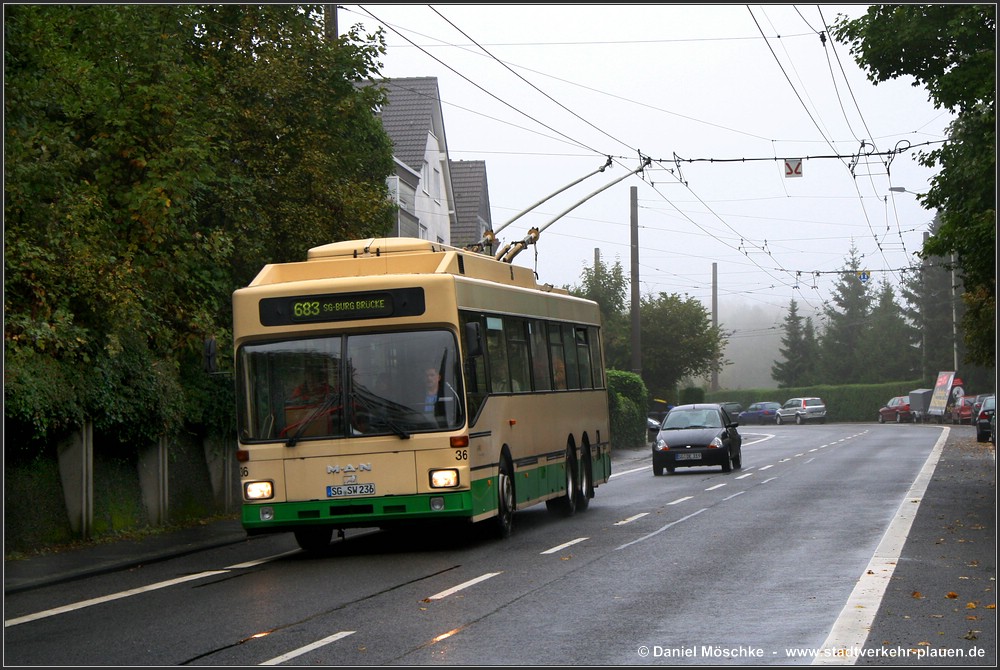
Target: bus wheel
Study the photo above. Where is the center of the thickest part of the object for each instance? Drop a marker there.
(505, 499)
(565, 505)
(586, 489)
(314, 539)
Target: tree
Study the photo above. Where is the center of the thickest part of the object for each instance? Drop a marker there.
(841, 358)
(950, 49)
(608, 287)
(156, 156)
(678, 340)
(889, 345)
(797, 351)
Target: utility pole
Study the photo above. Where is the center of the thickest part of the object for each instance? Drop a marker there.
(636, 351)
(715, 317)
(330, 30)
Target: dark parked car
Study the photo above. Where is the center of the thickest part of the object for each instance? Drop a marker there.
(759, 413)
(897, 409)
(697, 435)
(802, 410)
(977, 403)
(985, 420)
(733, 409)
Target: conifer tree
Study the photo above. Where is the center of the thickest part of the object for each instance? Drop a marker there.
(841, 357)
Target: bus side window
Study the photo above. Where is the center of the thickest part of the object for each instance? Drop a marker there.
(583, 351)
(572, 365)
(496, 352)
(541, 375)
(517, 349)
(475, 363)
(595, 357)
(558, 357)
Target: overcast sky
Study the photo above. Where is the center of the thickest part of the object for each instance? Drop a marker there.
(720, 97)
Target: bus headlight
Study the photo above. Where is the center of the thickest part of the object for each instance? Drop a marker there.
(444, 479)
(258, 490)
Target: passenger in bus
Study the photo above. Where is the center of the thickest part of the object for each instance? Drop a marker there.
(314, 389)
(559, 372)
(433, 381)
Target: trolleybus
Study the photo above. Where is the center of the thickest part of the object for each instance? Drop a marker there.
(395, 381)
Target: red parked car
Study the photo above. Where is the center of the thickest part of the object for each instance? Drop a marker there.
(897, 409)
(962, 411)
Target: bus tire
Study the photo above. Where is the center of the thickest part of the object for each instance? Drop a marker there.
(314, 539)
(565, 505)
(504, 521)
(585, 491)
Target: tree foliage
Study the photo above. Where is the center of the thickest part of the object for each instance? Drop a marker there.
(841, 357)
(951, 50)
(156, 156)
(799, 360)
(678, 340)
(608, 287)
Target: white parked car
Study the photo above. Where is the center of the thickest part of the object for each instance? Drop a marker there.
(802, 410)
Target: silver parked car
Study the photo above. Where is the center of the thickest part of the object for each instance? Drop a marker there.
(802, 410)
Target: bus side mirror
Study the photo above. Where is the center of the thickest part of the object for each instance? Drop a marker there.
(473, 340)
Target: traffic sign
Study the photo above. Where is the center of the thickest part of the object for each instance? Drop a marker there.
(793, 167)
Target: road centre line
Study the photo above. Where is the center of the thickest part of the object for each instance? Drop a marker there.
(104, 599)
(277, 660)
(628, 472)
(564, 545)
(660, 530)
(631, 519)
(260, 561)
(463, 585)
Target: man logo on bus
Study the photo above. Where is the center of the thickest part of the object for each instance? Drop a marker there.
(362, 467)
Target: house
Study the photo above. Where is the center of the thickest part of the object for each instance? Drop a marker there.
(472, 202)
(422, 184)
(439, 199)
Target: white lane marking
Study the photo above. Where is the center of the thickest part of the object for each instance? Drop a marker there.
(277, 660)
(660, 530)
(717, 486)
(765, 467)
(850, 630)
(628, 472)
(259, 561)
(564, 545)
(738, 493)
(631, 519)
(745, 475)
(463, 585)
(104, 599)
(680, 500)
(137, 591)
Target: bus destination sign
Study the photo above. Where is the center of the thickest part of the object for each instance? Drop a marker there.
(341, 306)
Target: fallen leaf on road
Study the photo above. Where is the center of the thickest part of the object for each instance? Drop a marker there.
(917, 594)
(970, 606)
(951, 594)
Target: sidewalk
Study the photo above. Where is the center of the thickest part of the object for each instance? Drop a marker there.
(942, 595)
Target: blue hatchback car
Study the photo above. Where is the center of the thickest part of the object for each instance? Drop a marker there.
(760, 413)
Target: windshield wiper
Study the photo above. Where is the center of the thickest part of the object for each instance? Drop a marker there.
(373, 408)
(325, 407)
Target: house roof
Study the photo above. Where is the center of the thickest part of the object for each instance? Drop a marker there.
(411, 110)
(472, 201)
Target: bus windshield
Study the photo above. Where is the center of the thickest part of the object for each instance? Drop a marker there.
(393, 383)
